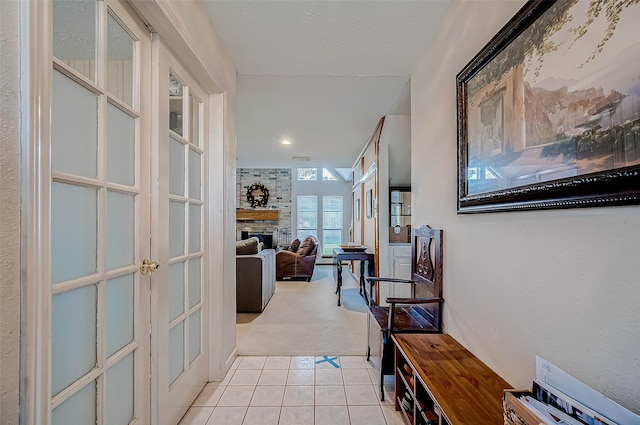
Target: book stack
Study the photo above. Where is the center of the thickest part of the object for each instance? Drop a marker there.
(552, 407)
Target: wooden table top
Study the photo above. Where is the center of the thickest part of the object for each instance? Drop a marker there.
(467, 391)
(340, 254)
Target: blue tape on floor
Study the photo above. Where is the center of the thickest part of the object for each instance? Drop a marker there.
(330, 360)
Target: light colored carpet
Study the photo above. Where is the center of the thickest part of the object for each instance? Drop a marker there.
(303, 318)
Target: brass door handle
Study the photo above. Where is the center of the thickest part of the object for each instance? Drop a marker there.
(148, 266)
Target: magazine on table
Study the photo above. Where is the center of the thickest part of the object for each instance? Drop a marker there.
(547, 413)
(570, 387)
(543, 417)
(547, 394)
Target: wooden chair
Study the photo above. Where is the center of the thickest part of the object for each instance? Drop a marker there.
(422, 312)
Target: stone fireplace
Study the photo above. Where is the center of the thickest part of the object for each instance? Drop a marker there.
(271, 223)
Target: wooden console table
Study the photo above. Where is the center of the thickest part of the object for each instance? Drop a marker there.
(448, 384)
(339, 255)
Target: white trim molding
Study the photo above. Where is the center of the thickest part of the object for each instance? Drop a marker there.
(35, 74)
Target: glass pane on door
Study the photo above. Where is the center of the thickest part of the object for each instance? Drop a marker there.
(194, 335)
(195, 279)
(121, 137)
(74, 216)
(195, 220)
(194, 133)
(119, 392)
(194, 174)
(176, 167)
(74, 34)
(73, 336)
(176, 228)
(120, 55)
(176, 352)
(176, 107)
(120, 313)
(74, 132)
(80, 408)
(176, 290)
(120, 230)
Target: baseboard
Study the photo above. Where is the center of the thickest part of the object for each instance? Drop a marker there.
(226, 366)
(232, 358)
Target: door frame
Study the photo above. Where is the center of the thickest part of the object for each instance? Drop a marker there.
(36, 70)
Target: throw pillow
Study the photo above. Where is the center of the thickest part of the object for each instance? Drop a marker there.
(306, 246)
(294, 245)
(247, 246)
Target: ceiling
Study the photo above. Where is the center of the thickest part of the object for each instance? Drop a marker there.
(320, 73)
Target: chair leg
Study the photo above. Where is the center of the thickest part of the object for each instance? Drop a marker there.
(381, 383)
(383, 361)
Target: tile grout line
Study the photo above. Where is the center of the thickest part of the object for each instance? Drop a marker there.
(380, 406)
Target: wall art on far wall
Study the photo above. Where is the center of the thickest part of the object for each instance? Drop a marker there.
(549, 110)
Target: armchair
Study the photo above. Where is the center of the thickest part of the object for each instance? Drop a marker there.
(422, 312)
(298, 264)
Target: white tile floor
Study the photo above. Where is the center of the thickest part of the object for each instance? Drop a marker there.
(280, 390)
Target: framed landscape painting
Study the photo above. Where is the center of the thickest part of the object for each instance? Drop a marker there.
(549, 110)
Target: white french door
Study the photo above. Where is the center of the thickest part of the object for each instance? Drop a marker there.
(179, 336)
(115, 183)
(98, 361)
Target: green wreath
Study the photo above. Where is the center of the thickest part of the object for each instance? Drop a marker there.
(257, 195)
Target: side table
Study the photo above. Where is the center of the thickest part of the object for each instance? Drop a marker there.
(339, 255)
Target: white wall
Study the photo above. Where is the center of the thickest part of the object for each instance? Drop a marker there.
(9, 213)
(561, 284)
(396, 133)
(394, 168)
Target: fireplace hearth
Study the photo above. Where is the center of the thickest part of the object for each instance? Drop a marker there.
(266, 237)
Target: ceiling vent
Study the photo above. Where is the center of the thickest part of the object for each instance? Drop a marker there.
(302, 158)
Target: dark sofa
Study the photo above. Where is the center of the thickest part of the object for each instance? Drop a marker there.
(255, 276)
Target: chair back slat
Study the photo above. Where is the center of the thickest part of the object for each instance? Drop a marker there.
(426, 268)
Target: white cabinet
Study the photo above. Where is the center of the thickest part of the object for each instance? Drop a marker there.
(400, 261)
(400, 268)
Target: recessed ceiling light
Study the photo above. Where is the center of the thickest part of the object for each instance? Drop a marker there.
(302, 158)
(286, 142)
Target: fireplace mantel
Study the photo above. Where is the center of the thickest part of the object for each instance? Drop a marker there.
(256, 215)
